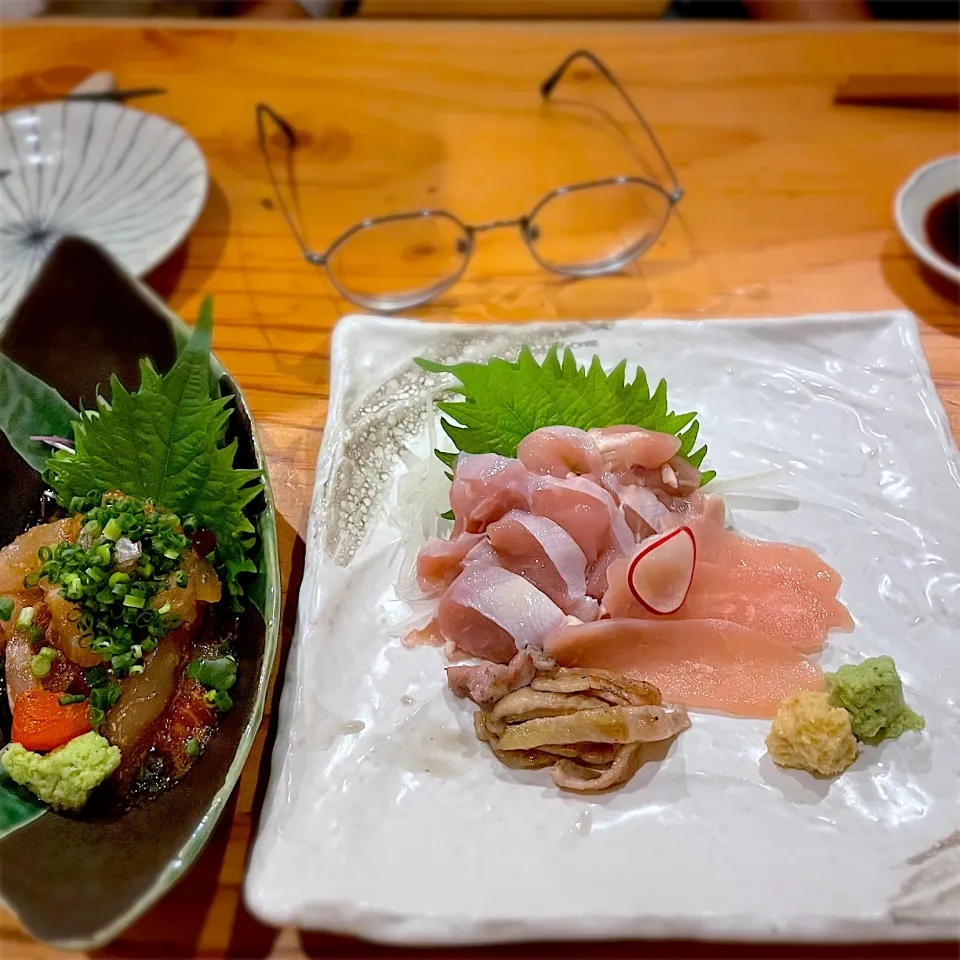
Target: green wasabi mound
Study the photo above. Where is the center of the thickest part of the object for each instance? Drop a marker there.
(65, 777)
(872, 693)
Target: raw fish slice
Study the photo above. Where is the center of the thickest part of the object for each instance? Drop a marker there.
(586, 511)
(485, 487)
(795, 611)
(489, 682)
(710, 664)
(19, 676)
(625, 447)
(439, 562)
(19, 558)
(491, 613)
(560, 451)
(544, 553)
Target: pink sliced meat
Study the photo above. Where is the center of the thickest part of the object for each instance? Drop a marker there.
(642, 510)
(428, 636)
(786, 603)
(586, 511)
(488, 682)
(547, 556)
(481, 553)
(711, 664)
(485, 487)
(560, 451)
(440, 561)
(625, 447)
(492, 613)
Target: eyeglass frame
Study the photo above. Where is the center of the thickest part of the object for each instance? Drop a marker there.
(611, 264)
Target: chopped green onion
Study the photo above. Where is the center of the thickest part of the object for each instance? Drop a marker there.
(221, 700)
(69, 698)
(165, 609)
(6, 608)
(171, 554)
(112, 530)
(25, 619)
(136, 669)
(118, 577)
(42, 662)
(132, 600)
(192, 747)
(94, 676)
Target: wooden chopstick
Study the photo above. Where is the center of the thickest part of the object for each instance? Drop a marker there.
(930, 92)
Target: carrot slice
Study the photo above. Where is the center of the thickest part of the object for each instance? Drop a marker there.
(41, 723)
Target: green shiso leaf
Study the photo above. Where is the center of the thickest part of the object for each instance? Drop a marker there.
(164, 443)
(501, 402)
(31, 408)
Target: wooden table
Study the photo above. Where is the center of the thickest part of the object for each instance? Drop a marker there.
(788, 211)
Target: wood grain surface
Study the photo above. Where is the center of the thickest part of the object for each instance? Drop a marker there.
(788, 211)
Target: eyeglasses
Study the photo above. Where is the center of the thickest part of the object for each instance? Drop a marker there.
(394, 262)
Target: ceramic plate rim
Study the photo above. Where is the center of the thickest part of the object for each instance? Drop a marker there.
(195, 214)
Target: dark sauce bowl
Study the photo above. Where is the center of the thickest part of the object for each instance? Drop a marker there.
(925, 211)
(78, 881)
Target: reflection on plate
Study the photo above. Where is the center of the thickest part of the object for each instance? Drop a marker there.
(386, 819)
(132, 181)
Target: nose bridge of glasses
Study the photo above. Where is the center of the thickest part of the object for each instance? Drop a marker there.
(496, 225)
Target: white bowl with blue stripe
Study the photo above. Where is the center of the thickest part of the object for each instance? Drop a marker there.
(132, 181)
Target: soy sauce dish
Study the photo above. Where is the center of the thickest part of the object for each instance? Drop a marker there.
(927, 209)
(139, 597)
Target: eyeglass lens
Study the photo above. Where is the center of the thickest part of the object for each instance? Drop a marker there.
(397, 261)
(597, 228)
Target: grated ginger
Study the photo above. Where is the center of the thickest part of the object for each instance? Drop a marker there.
(810, 734)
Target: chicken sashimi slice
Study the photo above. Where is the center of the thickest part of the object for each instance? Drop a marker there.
(586, 511)
(481, 553)
(642, 509)
(560, 451)
(797, 610)
(625, 447)
(440, 561)
(485, 487)
(712, 664)
(544, 553)
(489, 682)
(492, 613)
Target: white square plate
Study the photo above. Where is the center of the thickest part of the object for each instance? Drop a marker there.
(386, 819)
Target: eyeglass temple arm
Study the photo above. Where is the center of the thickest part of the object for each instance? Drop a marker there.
(265, 110)
(550, 83)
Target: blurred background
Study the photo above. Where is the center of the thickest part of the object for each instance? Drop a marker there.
(797, 10)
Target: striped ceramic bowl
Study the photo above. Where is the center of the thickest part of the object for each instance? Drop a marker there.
(131, 181)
